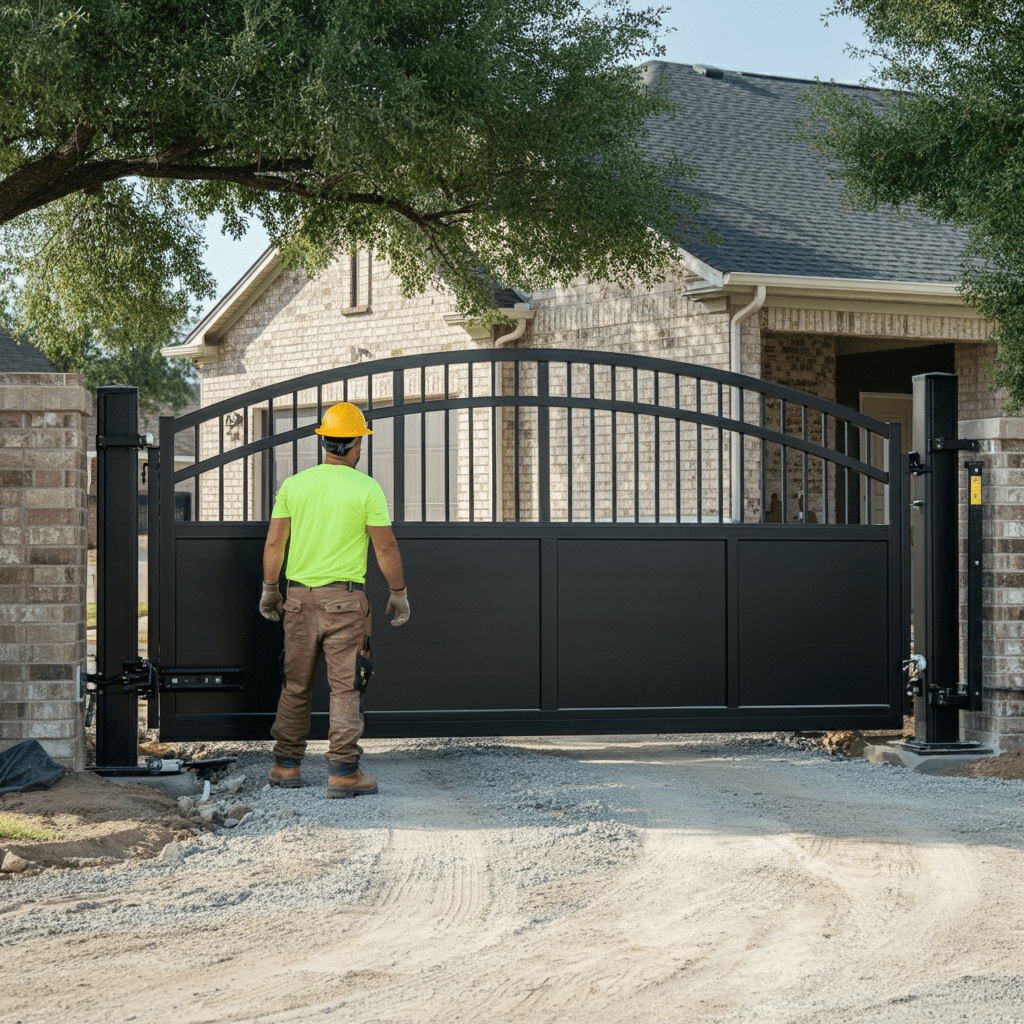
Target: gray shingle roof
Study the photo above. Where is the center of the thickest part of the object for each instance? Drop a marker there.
(772, 199)
(23, 358)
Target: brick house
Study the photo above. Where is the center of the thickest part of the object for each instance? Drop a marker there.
(801, 291)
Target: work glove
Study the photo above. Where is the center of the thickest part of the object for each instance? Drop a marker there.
(399, 604)
(271, 603)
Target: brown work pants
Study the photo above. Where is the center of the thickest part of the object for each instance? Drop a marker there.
(335, 621)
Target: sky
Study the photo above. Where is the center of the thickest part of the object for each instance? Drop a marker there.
(771, 37)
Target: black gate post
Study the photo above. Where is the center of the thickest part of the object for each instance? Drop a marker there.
(936, 558)
(117, 578)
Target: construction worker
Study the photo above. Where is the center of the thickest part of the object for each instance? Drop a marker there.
(328, 511)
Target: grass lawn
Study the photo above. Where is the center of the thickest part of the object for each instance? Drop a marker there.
(90, 613)
(14, 826)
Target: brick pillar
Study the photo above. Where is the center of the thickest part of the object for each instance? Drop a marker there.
(1001, 722)
(43, 561)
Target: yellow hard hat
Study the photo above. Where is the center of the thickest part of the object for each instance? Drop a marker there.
(343, 420)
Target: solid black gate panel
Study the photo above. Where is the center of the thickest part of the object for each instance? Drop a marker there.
(641, 623)
(813, 622)
(472, 638)
(218, 582)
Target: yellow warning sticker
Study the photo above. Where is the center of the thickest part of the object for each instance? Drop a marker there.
(975, 490)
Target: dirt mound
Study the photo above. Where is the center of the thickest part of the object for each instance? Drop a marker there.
(1006, 766)
(97, 821)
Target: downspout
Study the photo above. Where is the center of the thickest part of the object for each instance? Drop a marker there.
(735, 438)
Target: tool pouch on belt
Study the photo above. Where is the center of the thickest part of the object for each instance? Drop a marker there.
(364, 667)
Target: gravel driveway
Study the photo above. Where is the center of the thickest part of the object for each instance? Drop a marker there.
(571, 880)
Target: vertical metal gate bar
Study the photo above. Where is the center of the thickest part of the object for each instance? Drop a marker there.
(153, 572)
(515, 428)
(369, 416)
(764, 466)
(806, 498)
(657, 469)
(543, 442)
(679, 482)
(698, 383)
(593, 460)
(319, 420)
(636, 452)
(472, 453)
(295, 426)
(974, 584)
(447, 454)
(398, 428)
(866, 456)
(846, 472)
(824, 469)
(721, 461)
(271, 461)
(494, 442)
(245, 465)
(423, 446)
(220, 471)
(615, 453)
(740, 447)
(568, 440)
(197, 448)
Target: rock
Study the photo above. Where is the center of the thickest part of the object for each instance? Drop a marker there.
(286, 812)
(12, 864)
(245, 818)
(234, 784)
(850, 743)
(186, 805)
(230, 822)
(207, 811)
(238, 811)
(172, 852)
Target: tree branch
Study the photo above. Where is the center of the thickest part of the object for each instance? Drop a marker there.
(29, 187)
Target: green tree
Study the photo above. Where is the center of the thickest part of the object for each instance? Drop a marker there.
(451, 136)
(947, 138)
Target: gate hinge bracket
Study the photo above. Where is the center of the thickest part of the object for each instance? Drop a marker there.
(953, 444)
(139, 677)
(950, 698)
(124, 441)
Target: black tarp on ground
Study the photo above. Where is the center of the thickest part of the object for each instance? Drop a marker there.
(27, 766)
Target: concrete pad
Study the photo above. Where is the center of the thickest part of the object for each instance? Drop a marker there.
(927, 764)
(182, 784)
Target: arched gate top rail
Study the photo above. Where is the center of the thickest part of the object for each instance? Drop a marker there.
(509, 451)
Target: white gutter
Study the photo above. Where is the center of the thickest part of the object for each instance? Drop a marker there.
(860, 289)
(735, 353)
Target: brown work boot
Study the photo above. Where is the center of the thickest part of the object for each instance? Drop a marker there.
(354, 784)
(286, 778)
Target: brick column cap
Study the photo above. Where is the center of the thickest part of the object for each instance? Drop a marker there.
(993, 429)
(44, 392)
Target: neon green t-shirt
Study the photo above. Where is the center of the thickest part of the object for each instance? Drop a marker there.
(330, 508)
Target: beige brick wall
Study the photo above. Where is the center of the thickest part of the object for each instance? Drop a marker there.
(978, 399)
(43, 561)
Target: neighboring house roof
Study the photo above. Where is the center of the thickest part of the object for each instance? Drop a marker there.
(23, 357)
(773, 201)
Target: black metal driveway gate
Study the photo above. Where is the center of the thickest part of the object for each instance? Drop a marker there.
(593, 543)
